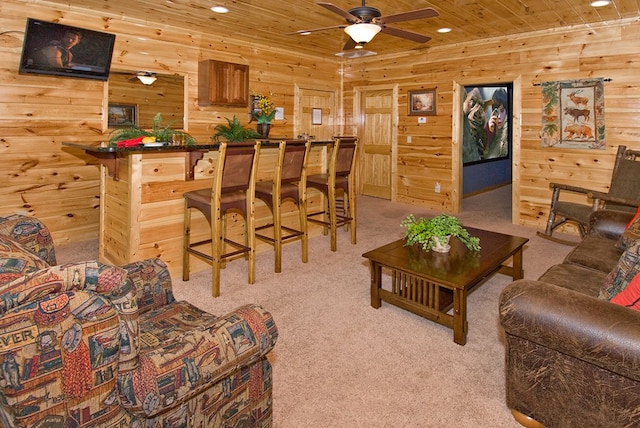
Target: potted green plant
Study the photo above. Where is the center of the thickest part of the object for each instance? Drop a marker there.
(159, 132)
(234, 131)
(429, 232)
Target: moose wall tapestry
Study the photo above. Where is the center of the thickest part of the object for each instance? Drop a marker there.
(573, 114)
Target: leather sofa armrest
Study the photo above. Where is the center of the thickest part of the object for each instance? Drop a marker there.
(575, 324)
(609, 223)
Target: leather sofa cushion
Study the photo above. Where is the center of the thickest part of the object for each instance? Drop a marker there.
(596, 253)
(577, 278)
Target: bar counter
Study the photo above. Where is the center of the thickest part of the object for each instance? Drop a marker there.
(142, 208)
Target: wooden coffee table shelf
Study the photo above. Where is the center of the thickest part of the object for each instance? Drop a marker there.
(430, 284)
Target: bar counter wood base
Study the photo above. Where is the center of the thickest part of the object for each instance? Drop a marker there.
(141, 209)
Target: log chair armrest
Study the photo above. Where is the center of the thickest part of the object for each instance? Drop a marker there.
(590, 329)
(560, 186)
(605, 197)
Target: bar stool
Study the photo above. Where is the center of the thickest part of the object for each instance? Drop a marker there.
(232, 190)
(337, 182)
(289, 183)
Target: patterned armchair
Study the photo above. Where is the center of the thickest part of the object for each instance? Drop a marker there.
(87, 344)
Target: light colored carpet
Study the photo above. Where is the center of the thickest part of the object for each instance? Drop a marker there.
(340, 363)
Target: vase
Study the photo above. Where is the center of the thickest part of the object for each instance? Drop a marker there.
(441, 244)
(263, 129)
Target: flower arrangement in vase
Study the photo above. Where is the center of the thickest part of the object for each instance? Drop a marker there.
(263, 111)
(428, 232)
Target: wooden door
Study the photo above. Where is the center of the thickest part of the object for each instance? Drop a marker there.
(377, 141)
(315, 113)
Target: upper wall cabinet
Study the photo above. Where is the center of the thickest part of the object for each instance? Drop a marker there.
(223, 83)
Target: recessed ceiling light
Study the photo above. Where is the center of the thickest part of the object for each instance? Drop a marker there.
(219, 9)
(600, 3)
(444, 30)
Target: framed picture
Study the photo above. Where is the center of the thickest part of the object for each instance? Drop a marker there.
(122, 115)
(316, 116)
(486, 122)
(422, 103)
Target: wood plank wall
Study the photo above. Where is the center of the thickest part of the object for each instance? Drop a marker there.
(61, 187)
(599, 51)
(38, 113)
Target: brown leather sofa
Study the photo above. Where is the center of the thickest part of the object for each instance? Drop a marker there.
(572, 359)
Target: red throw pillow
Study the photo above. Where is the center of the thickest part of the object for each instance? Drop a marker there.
(630, 296)
(635, 217)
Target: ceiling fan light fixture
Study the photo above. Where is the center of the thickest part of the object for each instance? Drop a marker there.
(146, 78)
(363, 32)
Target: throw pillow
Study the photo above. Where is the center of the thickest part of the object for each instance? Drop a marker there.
(630, 296)
(627, 268)
(631, 233)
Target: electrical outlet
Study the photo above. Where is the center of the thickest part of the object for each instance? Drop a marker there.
(422, 120)
(437, 189)
(408, 138)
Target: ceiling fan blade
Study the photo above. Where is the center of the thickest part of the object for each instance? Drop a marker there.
(335, 9)
(408, 16)
(351, 44)
(414, 37)
(313, 30)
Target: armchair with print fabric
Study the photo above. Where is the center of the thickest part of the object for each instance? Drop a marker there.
(88, 344)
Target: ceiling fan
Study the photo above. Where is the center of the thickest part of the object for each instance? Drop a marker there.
(364, 22)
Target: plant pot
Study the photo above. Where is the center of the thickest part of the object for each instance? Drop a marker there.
(263, 129)
(441, 245)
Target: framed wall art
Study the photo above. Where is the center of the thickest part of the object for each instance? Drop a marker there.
(422, 102)
(122, 115)
(316, 116)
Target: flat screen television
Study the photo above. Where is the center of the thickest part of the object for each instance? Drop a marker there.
(62, 50)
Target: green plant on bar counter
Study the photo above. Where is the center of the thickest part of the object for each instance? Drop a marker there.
(161, 133)
(234, 131)
(421, 231)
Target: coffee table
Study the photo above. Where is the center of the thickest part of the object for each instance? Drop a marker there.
(430, 284)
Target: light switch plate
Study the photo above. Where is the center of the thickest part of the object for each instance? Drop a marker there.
(422, 120)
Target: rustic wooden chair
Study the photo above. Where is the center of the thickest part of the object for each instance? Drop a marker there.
(337, 182)
(289, 183)
(623, 194)
(233, 190)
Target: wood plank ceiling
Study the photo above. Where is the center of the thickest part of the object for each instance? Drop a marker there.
(267, 22)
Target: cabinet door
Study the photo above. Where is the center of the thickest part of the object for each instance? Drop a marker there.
(223, 83)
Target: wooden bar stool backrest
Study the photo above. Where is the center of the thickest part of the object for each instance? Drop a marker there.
(339, 176)
(233, 189)
(289, 183)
